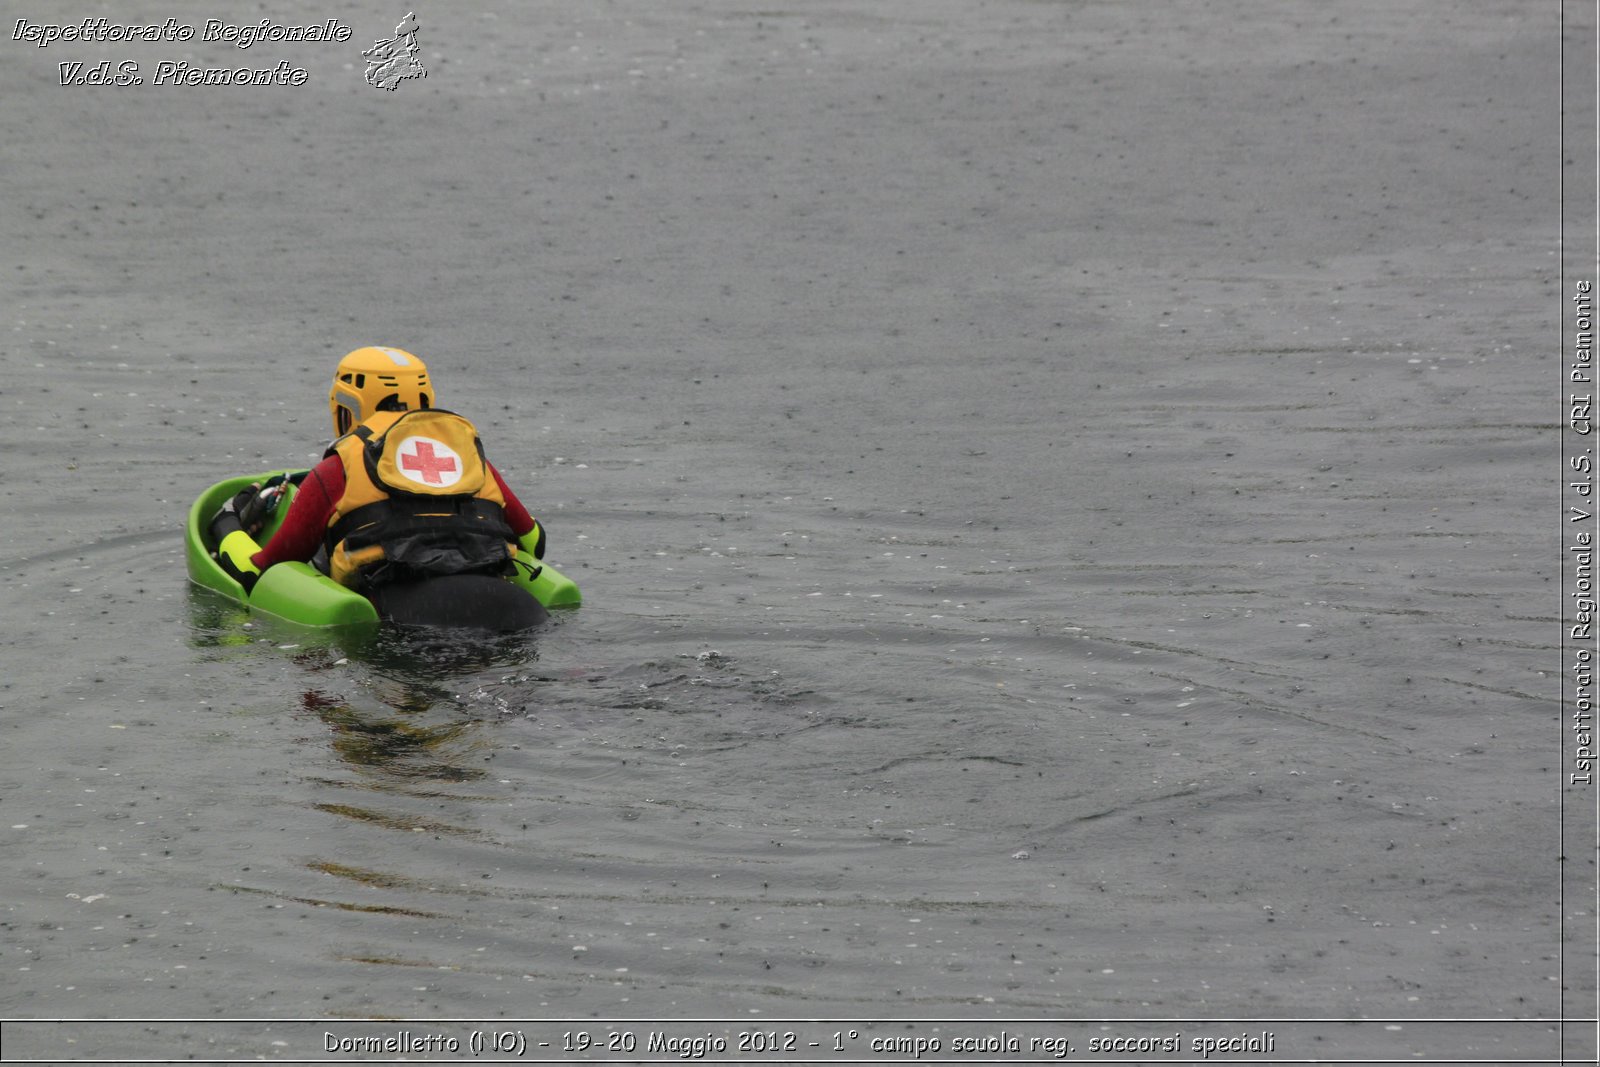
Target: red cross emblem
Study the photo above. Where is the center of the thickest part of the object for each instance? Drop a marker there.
(430, 462)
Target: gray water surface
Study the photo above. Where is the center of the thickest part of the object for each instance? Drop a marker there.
(1057, 488)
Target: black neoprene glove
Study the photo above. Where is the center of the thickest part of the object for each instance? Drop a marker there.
(248, 510)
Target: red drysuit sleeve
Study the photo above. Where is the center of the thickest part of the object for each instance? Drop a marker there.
(307, 521)
(516, 514)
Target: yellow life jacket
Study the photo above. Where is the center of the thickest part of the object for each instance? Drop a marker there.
(419, 501)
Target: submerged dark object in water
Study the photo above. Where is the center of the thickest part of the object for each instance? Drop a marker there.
(468, 601)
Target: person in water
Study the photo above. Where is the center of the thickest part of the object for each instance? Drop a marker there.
(403, 508)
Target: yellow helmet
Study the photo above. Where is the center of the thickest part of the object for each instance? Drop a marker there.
(376, 379)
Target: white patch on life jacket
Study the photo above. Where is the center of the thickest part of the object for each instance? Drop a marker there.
(399, 357)
(429, 462)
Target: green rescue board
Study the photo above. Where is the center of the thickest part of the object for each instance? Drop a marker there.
(301, 594)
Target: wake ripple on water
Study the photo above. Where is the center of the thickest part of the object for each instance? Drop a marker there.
(646, 812)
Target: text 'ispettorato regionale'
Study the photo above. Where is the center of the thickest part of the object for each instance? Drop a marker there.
(102, 30)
